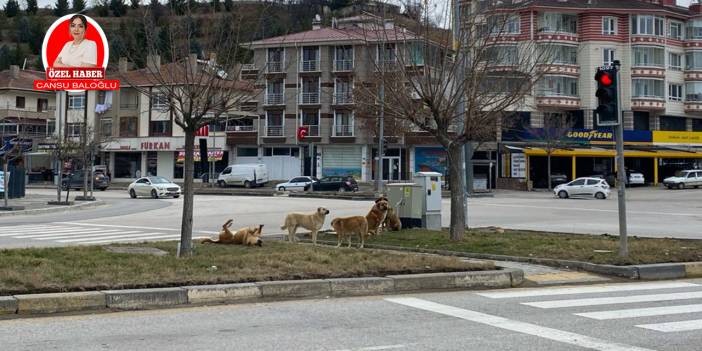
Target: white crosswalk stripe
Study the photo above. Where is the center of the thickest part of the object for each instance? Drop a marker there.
(663, 294)
(90, 233)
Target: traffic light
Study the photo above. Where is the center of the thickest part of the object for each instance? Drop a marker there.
(608, 102)
(302, 133)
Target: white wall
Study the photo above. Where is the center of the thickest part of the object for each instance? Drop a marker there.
(164, 167)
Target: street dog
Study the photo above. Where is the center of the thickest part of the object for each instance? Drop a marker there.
(376, 215)
(346, 227)
(248, 236)
(392, 221)
(310, 221)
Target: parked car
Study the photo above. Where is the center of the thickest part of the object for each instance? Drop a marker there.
(297, 183)
(684, 179)
(586, 186)
(75, 181)
(556, 179)
(634, 178)
(248, 175)
(336, 183)
(154, 187)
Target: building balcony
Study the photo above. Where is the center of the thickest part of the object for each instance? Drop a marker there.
(343, 99)
(312, 130)
(128, 106)
(558, 101)
(274, 99)
(27, 113)
(241, 129)
(647, 39)
(275, 131)
(647, 103)
(557, 36)
(343, 131)
(560, 68)
(309, 99)
(343, 65)
(274, 67)
(386, 66)
(248, 67)
(309, 66)
(693, 74)
(648, 71)
(693, 106)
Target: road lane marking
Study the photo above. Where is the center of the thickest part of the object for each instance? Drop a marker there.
(101, 234)
(28, 231)
(642, 312)
(63, 233)
(110, 237)
(598, 301)
(585, 289)
(516, 326)
(148, 238)
(375, 348)
(672, 327)
(135, 227)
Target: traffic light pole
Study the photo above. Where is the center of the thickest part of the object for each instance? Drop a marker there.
(621, 173)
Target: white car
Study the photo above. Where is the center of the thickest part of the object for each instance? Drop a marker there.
(684, 179)
(586, 186)
(154, 187)
(248, 175)
(636, 178)
(296, 184)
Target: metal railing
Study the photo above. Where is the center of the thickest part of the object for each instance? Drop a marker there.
(343, 98)
(310, 66)
(274, 67)
(248, 67)
(275, 131)
(343, 65)
(313, 130)
(343, 130)
(27, 113)
(251, 128)
(309, 98)
(274, 99)
(128, 105)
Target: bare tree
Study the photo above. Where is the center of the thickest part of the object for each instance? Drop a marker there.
(427, 74)
(63, 150)
(199, 80)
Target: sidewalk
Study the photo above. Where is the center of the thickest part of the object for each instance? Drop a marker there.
(38, 203)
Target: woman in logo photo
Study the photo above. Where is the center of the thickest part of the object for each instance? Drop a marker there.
(80, 52)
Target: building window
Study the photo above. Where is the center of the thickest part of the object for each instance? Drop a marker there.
(19, 102)
(343, 58)
(648, 56)
(608, 57)
(128, 127)
(343, 123)
(42, 105)
(694, 29)
(160, 128)
(675, 30)
(696, 125)
(310, 90)
(74, 129)
(310, 119)
(693, 91)
(127, 164)
(557, 86)
(106, 127)
(641, 120)
(675, 92)
(275, 92)
(246, 152)
(281, 151)
(559, 54)
(609, 25)
(503, 24)
(502, 55)
(674, 61)
(275, 60)
(274, 123)
(648, 88)
(310, 59)
(559, 22)
(646, 25)
(343, 88)
(76, 102)
(386, 54)
(673, 123)
(159, 102)
(693, 60)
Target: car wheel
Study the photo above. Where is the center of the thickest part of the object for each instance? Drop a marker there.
(342, 189)
(681, 186)
(176, 196)
(282, 188)
(221, 183)
(103, 189)
(154, 194)
(247, 184)
(563, 194)
(132, 194)
(600, 196)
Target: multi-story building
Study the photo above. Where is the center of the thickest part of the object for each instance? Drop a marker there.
(659, 45)
(27, 114)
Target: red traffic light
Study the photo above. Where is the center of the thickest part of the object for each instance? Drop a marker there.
(604, 78)
(302, 133)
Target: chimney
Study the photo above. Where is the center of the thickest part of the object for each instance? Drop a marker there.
(317, 23)
(14, 71)
(153, 63)
(123, 65)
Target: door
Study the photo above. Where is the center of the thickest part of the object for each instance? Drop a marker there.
(590, 187)
(575, 188)
(142, 187)
(297, 183)
(225, 174)
(391, 168)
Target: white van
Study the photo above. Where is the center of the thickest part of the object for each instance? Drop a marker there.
(248, 175)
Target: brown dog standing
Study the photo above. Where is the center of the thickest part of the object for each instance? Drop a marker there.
(248, 236)
(392, 221)
(346, 227)
(310, 221)
(376, 216)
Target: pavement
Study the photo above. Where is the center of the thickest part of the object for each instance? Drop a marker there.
(648, 316)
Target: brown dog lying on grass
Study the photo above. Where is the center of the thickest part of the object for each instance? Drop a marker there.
(346, 227)
(376, 215)
(248, 236)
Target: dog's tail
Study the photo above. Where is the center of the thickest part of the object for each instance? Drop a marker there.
(208, 240)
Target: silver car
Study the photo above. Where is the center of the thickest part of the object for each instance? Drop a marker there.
(587, 187)
(153, 186)
(684, 179)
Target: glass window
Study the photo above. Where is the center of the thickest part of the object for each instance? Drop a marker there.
(674, 61)
(503, 24)
(19, 102)
(76, 101)
(386, 54)
(608, 57)
(160, 128)
(646, 25)
(675, 30)
(648, 56)
(557, 86)
(127, 164)
(593, 181)
(246, 152)
(561, 54)
(609, 25)
(106, 127)
(696, 125)
(693, 60)
(673, 123)
(128, 126)
(693, 91)
(694, 29)
(311, 120)
(559, 22)
(502, 55)
(74, 129)
(675, 92)
(648, 88)
(159, 102)
(577, 182)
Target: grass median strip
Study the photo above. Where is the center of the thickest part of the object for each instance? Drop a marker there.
(600, 249)
(84, 268)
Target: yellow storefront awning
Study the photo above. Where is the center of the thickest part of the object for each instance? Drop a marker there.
(612, 153)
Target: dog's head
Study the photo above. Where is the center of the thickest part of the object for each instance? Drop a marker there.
(322, 211)
(381, 205)
(382, 198)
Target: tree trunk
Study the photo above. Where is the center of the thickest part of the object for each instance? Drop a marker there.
(458, 195)
(5, 181)
(186, 227)
(548, 169)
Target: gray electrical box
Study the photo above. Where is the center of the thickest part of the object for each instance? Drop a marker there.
(430, 183)
(406, 199)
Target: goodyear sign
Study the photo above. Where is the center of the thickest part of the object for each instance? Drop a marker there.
(589, 135)
(667, 137)
(580, 136)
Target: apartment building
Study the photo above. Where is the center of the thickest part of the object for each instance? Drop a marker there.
(659, 45)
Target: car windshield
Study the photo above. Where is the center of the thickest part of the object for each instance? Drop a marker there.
(680, 173)
(159, 180)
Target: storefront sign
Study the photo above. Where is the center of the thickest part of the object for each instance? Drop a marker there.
(430, 159)
(212, 156)
(152, 146)
(2, 181)
(667, 137)
(581, 136)
(518, 165)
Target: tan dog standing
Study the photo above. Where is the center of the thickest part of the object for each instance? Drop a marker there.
(376, 215)
(248, 236)
(346, 227)
(392, 221)
(310, 221)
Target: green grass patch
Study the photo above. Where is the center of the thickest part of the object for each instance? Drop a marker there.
(93, 268)
(578, 247)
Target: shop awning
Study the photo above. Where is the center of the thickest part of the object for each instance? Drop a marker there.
(597, 152)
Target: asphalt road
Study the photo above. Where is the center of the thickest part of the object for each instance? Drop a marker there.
(652, 316)
(651, 212)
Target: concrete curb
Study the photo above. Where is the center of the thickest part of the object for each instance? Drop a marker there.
(137, 299)
(55, 209)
